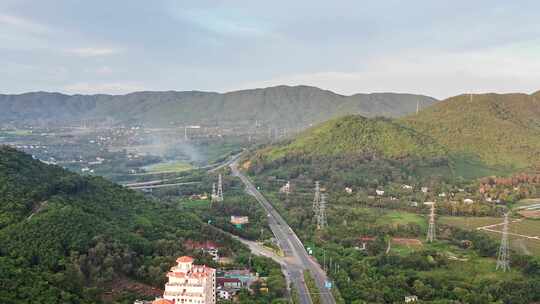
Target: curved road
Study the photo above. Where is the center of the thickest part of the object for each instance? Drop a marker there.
(296, 256)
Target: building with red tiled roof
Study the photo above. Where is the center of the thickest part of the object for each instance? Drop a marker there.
(162, 301)
(189, 283)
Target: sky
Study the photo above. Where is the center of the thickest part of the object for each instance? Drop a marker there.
(437, 48)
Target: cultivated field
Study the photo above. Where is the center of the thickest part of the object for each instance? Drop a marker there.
(168, 167)
(524, 234)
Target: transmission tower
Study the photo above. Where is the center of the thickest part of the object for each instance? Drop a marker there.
(503, 262)
(220, 189)
(317, 198)
(214, 193)
(321, 215)
(431, 229)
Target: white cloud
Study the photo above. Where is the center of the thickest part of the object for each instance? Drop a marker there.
(93, 51)
(510, 69)
(24, 25)
(103, 88)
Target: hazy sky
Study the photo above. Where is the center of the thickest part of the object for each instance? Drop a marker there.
(438, 48)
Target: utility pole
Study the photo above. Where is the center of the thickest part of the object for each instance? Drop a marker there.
(503, 262)
(431, 229)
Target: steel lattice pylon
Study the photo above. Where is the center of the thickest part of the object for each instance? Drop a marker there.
(317, 198)
(217, 194)
(321, 214)
(503, 258)
(431, 229)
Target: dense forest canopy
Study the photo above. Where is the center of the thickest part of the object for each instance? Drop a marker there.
(67, 238)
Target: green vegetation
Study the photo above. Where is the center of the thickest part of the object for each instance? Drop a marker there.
(312, 287)
(519, 230)
(496, 135)
(501, 130)
(356, 135)
(69, 239)
(168, 167)
(397, 262)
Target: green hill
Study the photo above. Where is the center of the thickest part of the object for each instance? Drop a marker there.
(501, 129)
(69, 239)
(360, 135)
(465, 136)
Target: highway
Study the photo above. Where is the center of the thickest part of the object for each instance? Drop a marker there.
(296, 257)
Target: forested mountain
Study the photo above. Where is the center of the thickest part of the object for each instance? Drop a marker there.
(357, 134)
(464, 136)
(282, 106)
(68, 239)
(501, 129)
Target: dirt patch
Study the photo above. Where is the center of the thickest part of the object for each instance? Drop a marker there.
(246, 165)
(407, 242)
(126, 285)
(533, 214)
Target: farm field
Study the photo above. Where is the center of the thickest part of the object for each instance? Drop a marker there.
(522, 231)
(169, 167)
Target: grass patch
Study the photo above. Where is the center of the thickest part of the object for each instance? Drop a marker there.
(169, 167)
(196, 203)
(526, 227)
(312, 287)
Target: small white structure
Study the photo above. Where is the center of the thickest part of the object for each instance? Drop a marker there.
(413, 204)
(408, 187)
(379, 192)
(468, 201)
(224, 294)
(348, 190)
(239, 220)
(411, 299)
(286, 188)
(424, 189)
(442, 194)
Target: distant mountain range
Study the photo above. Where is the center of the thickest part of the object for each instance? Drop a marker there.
(281, 106)
(467, 135)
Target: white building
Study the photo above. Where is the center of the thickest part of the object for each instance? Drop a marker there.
(468, 201)
(188, 283)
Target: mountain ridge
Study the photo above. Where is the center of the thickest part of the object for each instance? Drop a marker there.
(292, 107)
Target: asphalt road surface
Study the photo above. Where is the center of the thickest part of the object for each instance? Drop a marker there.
(296, 256)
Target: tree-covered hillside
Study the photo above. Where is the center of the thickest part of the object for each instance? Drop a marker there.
(274, 107)
(70, 239)
(467, 136)
(360, 135)
(501, 129)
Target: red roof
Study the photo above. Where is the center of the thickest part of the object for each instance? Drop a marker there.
(162, 301)
(185, 259)
(222, 281)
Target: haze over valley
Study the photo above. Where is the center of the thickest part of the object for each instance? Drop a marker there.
(269, 153)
